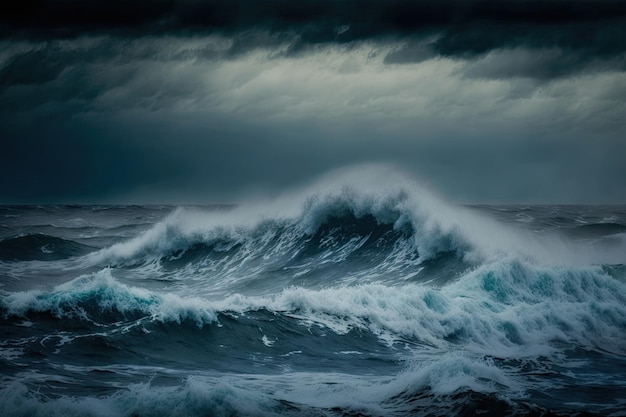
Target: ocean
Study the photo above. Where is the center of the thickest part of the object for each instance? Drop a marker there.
(342, 298)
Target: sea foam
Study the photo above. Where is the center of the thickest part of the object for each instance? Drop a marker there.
(508, 309)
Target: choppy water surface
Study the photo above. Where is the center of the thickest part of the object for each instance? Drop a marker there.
(345, 298)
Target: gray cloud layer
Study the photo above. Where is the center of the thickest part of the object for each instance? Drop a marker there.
(366, 18)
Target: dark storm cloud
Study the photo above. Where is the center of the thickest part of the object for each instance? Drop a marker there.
(464, 28)
(32, 67)
(137, 100)
(368, 18)
(544, 64)
(52, 72)
(49, 61)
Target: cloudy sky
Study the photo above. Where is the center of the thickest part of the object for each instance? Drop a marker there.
(207, 101)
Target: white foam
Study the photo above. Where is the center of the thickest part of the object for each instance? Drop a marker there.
(267, 342)
(508, 309)
(67, 300)
(10, 354)
(196, 396)
(227, 395)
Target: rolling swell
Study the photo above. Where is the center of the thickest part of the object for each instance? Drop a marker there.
(228, 397)
(339, 248)
(40, 247)
(598, 229)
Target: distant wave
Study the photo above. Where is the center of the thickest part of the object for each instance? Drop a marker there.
(598, 229)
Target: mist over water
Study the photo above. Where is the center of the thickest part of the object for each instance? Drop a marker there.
(360, 294)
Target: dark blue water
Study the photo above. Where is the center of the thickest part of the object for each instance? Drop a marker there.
(354, 299)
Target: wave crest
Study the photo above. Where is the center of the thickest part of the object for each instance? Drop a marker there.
(400, 228)
(100, 297)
